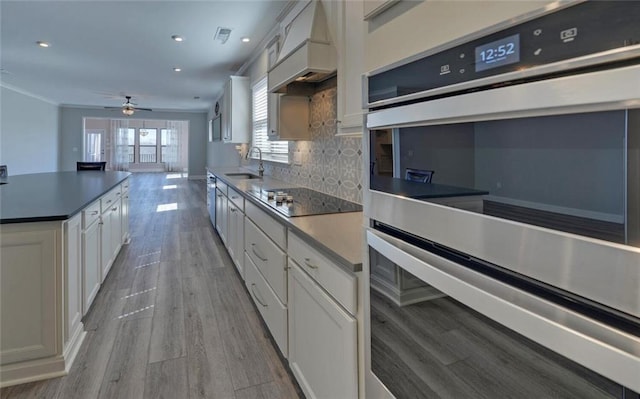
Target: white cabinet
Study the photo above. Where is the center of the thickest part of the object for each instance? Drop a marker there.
(322, 340)
(235, 231)
(350, 47)
(125, 212)
(29, 305)
(288, 117)
(236, 110)
(73, 277)
(269, 259)
(221, 215)
(111, 230)
(90, 263)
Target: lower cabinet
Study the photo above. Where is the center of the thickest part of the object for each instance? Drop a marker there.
(73, 278)
(221, 215)
(235, 233)
(322, 340)
(91, 264)
(273, 312)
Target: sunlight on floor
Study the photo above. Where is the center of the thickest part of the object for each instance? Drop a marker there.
(176, 175)
(170, 187)
(167, 207)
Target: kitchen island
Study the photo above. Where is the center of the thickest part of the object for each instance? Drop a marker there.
(59, 234)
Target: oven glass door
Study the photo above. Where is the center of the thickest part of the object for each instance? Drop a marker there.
(428, 344)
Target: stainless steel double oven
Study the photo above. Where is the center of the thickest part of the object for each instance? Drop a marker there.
(514, 272)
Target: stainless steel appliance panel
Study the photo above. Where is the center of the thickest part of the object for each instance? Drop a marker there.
(608, 273)
(448, 334)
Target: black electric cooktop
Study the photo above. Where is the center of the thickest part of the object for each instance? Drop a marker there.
(303, 202)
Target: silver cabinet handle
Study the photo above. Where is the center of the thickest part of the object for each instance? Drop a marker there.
(232, 209)
(94, 213)
(118, 193)
(253, 292)
(307, 262)
(219, 195)
(253, 249)
(234, 196)
(108, 202)
(114, 209)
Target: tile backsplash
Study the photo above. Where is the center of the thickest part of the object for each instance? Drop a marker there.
(330, 164)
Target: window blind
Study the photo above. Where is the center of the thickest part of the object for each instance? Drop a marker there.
(277, 151)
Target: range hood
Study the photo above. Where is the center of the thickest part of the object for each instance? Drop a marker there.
(307, 54)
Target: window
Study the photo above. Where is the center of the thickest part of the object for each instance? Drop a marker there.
(131, 143)
(277, 151)
(148, 146)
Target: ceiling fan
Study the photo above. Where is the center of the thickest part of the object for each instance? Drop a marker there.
(128, 108)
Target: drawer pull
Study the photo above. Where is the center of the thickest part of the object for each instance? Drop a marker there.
(94, 213)
(234, 196)
(307, 262)
(114, 209)
(253, 249)
(253, 292)
(108, 202)
(118, 193)
(232, 209)
(219, 195)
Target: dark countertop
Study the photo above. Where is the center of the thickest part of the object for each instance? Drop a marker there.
(417, 190)
(42, 197)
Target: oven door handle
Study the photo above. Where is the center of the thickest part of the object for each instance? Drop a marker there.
(608, 351)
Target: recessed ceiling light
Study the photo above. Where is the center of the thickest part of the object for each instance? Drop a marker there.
(177, 38)
(196, 97)
(245, 40)
(177, 69)
(43, 44)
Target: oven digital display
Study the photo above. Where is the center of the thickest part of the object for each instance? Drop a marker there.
(497, 53)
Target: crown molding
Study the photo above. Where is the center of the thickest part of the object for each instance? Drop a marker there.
(27, 93)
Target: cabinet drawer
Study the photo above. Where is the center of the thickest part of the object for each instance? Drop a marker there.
(274, 229)
(236, 198)
(270, 260)
(337, 282)
(90, 214)
(222, 186)
(109, 199)
(273, 312)
(124, 186)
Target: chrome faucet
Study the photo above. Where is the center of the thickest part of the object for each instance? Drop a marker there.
(260, 165)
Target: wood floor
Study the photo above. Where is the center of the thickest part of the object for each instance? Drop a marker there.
(173, 319)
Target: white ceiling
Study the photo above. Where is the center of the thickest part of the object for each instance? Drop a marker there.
(103, 50)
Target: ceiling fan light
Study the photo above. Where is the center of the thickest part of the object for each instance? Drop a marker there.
(128, 111)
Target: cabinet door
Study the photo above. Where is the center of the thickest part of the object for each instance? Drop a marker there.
(106, 256)
(73, 278)
(236, 237)
(90, 265)
(351, 31)
(273, 104)
(29, 293)
(226, 112)
(116, 228)
(221, 215)
(125, 217)
(322, 340)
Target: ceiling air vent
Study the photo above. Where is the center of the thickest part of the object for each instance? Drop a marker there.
(222, 34)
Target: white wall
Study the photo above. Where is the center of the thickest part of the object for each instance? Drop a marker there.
(29, 139)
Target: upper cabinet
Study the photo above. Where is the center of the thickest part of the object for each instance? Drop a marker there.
(236, 110)
(345, 21)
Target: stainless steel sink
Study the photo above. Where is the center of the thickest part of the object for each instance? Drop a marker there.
(243, 176)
